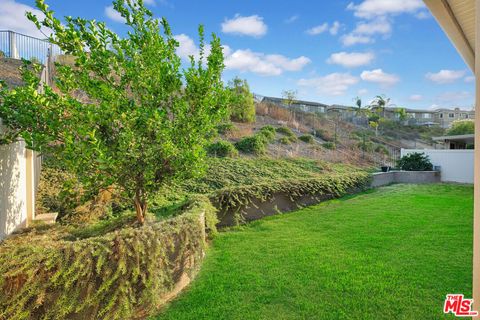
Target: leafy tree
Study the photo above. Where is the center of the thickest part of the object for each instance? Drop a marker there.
(125, 114)
(289, 97)
(360, 110)
(462, 127)
(241, 106)
(374, 125)
(402, 114)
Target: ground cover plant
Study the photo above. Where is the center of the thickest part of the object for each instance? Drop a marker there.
(359, 257)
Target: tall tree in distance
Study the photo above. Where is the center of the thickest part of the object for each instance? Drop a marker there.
(380, 103)
(125, 113)
(241, 105)
(289, 97)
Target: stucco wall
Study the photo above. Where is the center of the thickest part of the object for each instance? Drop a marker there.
(418, 177)
(456, 165)
(13, 188)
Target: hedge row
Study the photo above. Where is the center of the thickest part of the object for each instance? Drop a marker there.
(330, 184)
(119, 275)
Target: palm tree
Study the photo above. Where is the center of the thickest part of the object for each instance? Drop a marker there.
(360, 111)
(380, 103)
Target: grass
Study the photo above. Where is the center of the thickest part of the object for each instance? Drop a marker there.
(391, 253)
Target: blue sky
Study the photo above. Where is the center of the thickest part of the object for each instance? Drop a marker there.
(329, 51)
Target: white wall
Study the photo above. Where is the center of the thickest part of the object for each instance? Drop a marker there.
(13, 188)
(456, 165)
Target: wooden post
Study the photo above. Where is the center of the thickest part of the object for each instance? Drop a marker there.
(476, 200)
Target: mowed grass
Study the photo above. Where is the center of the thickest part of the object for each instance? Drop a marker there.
(391, 253)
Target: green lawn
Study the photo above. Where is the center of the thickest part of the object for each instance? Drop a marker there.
(392, 253)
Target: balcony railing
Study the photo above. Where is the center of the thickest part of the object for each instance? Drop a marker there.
(19, 46)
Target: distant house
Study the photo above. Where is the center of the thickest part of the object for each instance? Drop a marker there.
(420, 117)
(305, 106)
(456, 142)
(438, 117)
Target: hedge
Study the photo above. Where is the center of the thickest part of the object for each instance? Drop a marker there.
(333, 185)
(118, 275)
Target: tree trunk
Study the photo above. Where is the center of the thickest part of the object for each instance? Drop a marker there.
(140, 208)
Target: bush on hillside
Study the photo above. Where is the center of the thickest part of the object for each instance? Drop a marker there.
(329, 145)
(307, 138)
(323, 134)
(222, 149)
(268, 132)
(415, 162)
(255, 144)
(225, 128)
(380, 148)
(285, 140)
(286, 131)
(241, 106)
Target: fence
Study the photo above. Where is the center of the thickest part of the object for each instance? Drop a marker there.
(454, 165)
(19, 46)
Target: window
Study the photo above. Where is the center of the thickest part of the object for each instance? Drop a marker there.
(426, 116)
(441, 115)
(451, 115)
(465, 115)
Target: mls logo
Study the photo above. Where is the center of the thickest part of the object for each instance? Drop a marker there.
(459, 306)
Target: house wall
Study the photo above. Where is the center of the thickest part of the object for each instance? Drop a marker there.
(13, 188)
(456, 165)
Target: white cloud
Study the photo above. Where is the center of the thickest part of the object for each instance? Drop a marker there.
(353, 39)
(445, 76)
(334, 28)
(334, 84)
(263, 64)
(249, 26)
(352, 59)
(469, 79)
(374, 8)
(361, 92)
(245, 60)
(318, 29)
(12, 17)
(292, 19)
(380, 77)
(379, 25)
(415, 97)
(114, 15)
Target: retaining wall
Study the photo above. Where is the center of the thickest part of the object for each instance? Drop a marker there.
(385, 178)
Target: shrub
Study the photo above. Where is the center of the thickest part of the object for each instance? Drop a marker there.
(225, 128)
(462, 127)
(222, 149)
(117, 275)
(366, 146)
(241, 106)
(415, 162)
(268, 132)
(380, 148)
(329, 145)
(285, 140)
(255, 144)
(323, 134)
(307, 138)
(286, 131)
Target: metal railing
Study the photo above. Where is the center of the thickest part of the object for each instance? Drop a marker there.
(20, 46)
